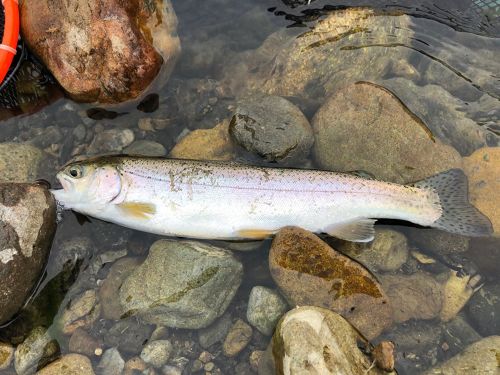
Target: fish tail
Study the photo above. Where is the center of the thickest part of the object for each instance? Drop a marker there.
(458, 214)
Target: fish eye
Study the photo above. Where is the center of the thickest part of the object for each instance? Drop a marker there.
(75, 171)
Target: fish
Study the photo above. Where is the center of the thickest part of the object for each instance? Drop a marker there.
(230, 201)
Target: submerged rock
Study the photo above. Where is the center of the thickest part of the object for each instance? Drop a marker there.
(313, 340)
(83, 343)
(201, 282)
(457, 291)
(458, 334)
(484, 309)
(111, 363)
(128, 335)
(35, 352)
(6, 355)
(480, 358)
(71, 364)
(265, 308)
(145, 148)
(437, 241)
(237, 339)
(272, 128)
(110, 141)
(19, 162)
(483, 171)
(216, 332)
(206, 144)
(81, 312)
(309, 272)
(106, 51)
(375, 133)
(156, 353)
(27, 223)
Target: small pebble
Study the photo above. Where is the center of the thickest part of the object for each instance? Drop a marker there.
(157, 353)
(237, 339)
(209, 366)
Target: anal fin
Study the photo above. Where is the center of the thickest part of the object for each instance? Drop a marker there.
(138, 210)
(360, 230)
(255, 234)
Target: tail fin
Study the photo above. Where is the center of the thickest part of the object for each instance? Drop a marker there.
(459, 216)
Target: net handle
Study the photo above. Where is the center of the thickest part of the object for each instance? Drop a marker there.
(10, 36)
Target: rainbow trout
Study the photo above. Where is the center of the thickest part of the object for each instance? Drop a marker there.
(215, 200)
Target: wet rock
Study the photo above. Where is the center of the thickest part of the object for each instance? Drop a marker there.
(83, 343)
(111, 363)
(27, 223)
(313, 340)
(272, 128)
(265, 308)
(375, 133)
(216, 332)
(483, 171)
(70, 364)
(255, 358)
(479, 358)
(19, 162)
(457, 291)
(309, 272)
(145, 148)
(416, 296)
(458, 334)
(171, 370)
(206, 144)
(110, 141)
(109, 290)
(383, 355)
(237, 339)
(437, 241)
(484, 309)
(108, 51)
(486, 255)
(202, 282)
(128, 335)
(35, 352)
(387, 252)
(134, 365)
(157, 353)
(152, 124)
(6, 355)
(81, 312)
(69, 252)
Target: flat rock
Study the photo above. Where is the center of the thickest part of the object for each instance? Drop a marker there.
(309, 272)
(19, 162)
(484, 309)
(374, 132)
(182, 284)
(28, 224)
(70, 364)
(106, 51)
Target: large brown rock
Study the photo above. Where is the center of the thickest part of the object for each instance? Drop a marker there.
(107, 51)
(27, 226)
(309, 272)
(365, 127)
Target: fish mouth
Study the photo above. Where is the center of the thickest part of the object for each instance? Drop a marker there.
(66, 184)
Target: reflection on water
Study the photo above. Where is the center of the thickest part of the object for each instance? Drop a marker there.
(440, 62)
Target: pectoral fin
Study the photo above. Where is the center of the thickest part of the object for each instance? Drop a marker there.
(361, 230)
(138, 210)
(255, 234)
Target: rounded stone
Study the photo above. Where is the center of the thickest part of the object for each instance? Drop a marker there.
(265, 308)
(145, 148)
(70, 364)
(156, 353)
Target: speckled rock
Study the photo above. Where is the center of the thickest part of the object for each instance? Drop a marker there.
(416, 296)
(156, 353)
(483, 171)
(81, 312)
(19, 162)
(107, 51)
(480, 358)
(110, 141)
(375, 133)
(309, 272)
(201, 282)
(145, 148)
(265, 308)
(313, 340)
(6, 355)
(128, 335)
(111, 363)
(27, 223)
(206, 144)
(273, 128)
(71, 364)
(237, 339)
(387, 252)
(35, 352)
(484, 309)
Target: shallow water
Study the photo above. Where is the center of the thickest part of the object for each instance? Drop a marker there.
(440, 58)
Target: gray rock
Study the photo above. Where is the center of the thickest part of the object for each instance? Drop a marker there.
(27, 223)
(145, 148)
(171, 370)
(111, 363)
(237, 339)
(49, 135)
(265, 308)
(387, 252)
(70, 251)
(313, 340)
(19, 162)
(458, 334)
(437, 241)
(215, 332)
(273, 128)
(157, 353)
(35, 352)
(484, 310)
(110, 141)
(415, 336)
(480, 358)
(182, 284)
(128, 335)
(6, 355)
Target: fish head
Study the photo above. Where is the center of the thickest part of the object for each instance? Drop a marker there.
(87, 184)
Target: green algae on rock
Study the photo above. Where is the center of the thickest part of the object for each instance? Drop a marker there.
(309, 272)
(182, 284)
